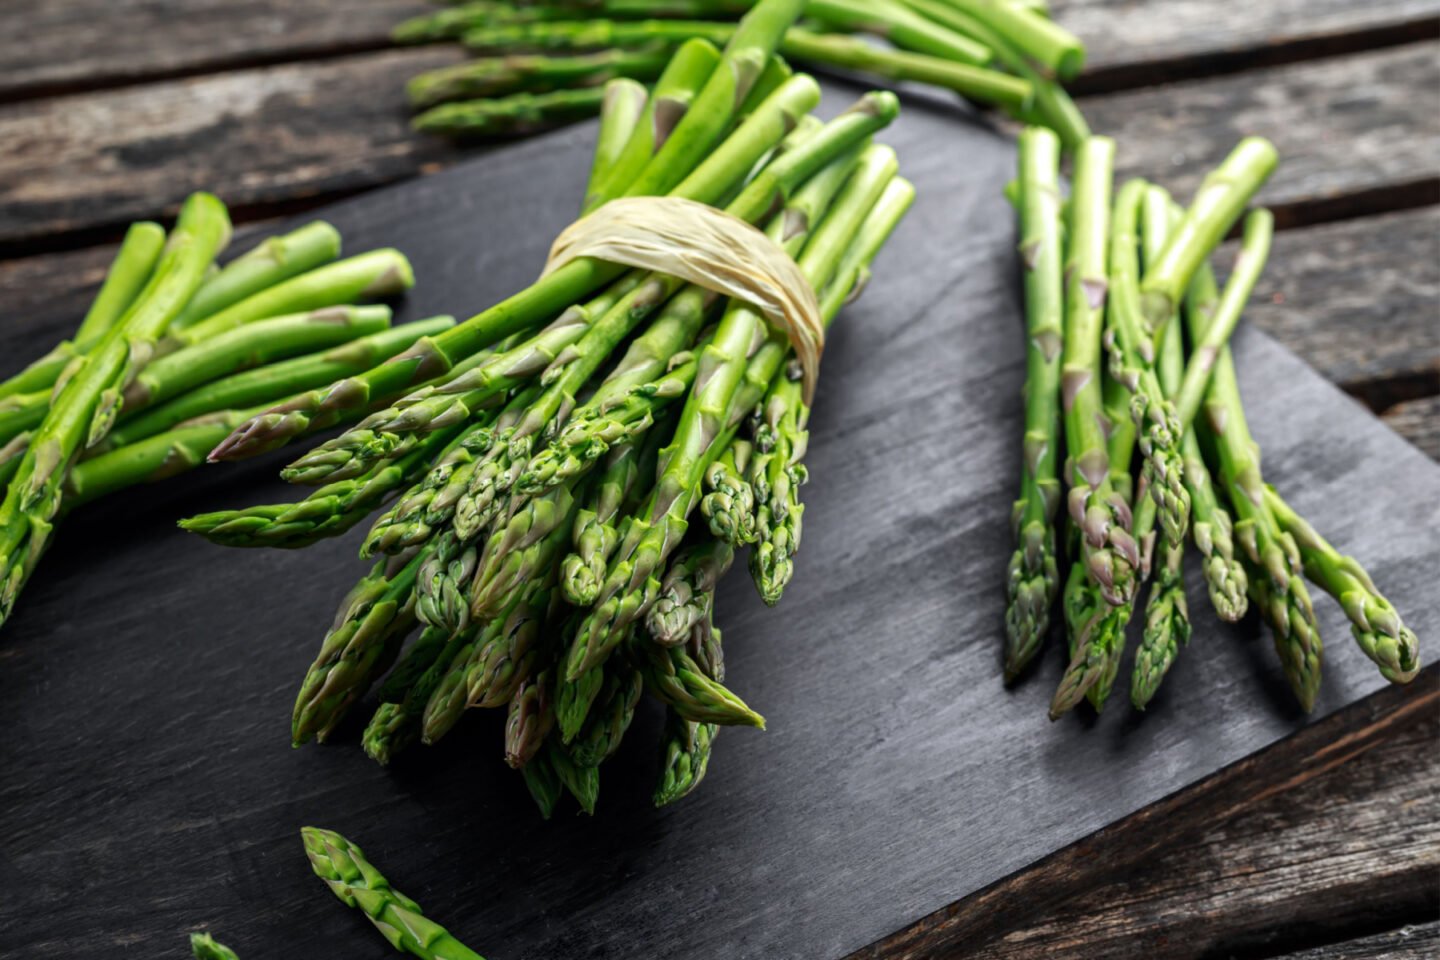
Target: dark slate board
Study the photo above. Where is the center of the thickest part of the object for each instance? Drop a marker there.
(146, 681)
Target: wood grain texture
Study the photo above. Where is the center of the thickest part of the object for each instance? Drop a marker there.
(64, 45)
(1419, 422)
(1411, 942)
(1133, 44)
(1358, 301)
(1354, 137)
(261, 139)
(148, 676)
(1352, 133)
(1199, 874)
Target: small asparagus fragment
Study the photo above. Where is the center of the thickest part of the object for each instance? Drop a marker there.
(1033, 582)
(687, 592)
(204, 947)
(1217, 205)
(1374, 621)
(269, 262)
(369, 276)
(80, 414)
(347, 873)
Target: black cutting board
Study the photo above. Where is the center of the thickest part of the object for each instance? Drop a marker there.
(146, 680)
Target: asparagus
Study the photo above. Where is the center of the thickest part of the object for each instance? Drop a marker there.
(630, 586)
(1033, 582)
(451, 23)
(829, 50)
(609, 718)
(1275, 583)
(901, 26)
(582, 782)
(268, 263)
(127, 276)
(529, 720)
(80, 413)
(369, 276)
(1217, 205)
(527, 543)
(543, 783)
(250, 388)
(396, 723)
(433, 356)
(777, 474)
(514, 632)
(343, 867)
(673, 676)
(729, 506)
(684, 755)
(620, 113)
(1052, 48)
(204, 947)
(371, 621)
(595, 533)
(1374, 621)
(687, 592)
(533, 73)
(511, 115)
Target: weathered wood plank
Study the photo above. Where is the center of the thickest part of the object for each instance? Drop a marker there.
(1353, 135)
(67, 45)
(1352, 131)
(1357, 300)
(260, 138)
(1419, 422)
(1211, 870)
(1134, 44)
(70, 45)
(1411, 942)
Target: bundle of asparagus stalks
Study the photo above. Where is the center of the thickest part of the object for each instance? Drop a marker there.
(1127, 335)
(539, 64)
(543, 461)
(173, 352)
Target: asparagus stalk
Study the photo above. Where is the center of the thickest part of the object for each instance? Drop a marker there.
(1217, 205)
(609, 718)
(684, 755)
(251, 388)
(1374, 621)
(620, 114)
(129, 271)
(397, 721)
(1034, 580)
(729, 506)
(533, 73)
(673, 676)
(595, 532)
(901, 26)
(268, 263)
(687, 592)
(1052, 48)
(78, 416)
(347, 873)
(511, 115)
(455, 21)
(369, 276)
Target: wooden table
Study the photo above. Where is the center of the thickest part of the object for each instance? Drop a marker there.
(1327, 845)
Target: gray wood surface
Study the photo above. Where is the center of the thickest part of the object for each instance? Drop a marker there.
(897, 775)
(1411, 942)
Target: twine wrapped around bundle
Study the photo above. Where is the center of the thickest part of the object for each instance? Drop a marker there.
(707, 247)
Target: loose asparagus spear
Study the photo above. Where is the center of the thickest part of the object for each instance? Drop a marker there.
(268, 263)
(127, 276)
(204, 947)
(79, 415)
(534, 73)
(343, 867)
(369, 276)
(1034, 579)
(513, 114)
(1374, 622)
(1217, 205)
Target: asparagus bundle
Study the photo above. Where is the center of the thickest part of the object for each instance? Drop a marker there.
(540, 64)
(1135, 268)
(172, 354)
(544, 477)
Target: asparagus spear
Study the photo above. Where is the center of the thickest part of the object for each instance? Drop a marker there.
(687, 592)
(78, 416)
(901, 26)
(250, 388)
(729, 506)
(609, 718)
(673, 676)
(369, 276)
(127, 276)
(396, 723)
(595, 532)
(1052, 48)
(515, 632)
(510, 115)
(343, 867)
(1217, 205)
(204, 947)
(268, 263)
(1374, 622)
(1034, 580)
(684, 755)
(533, 73)
(620, 114)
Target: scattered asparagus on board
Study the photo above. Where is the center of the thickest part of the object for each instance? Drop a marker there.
(541, 64)
(1134, 269)
(570, 473)
(173, 353)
